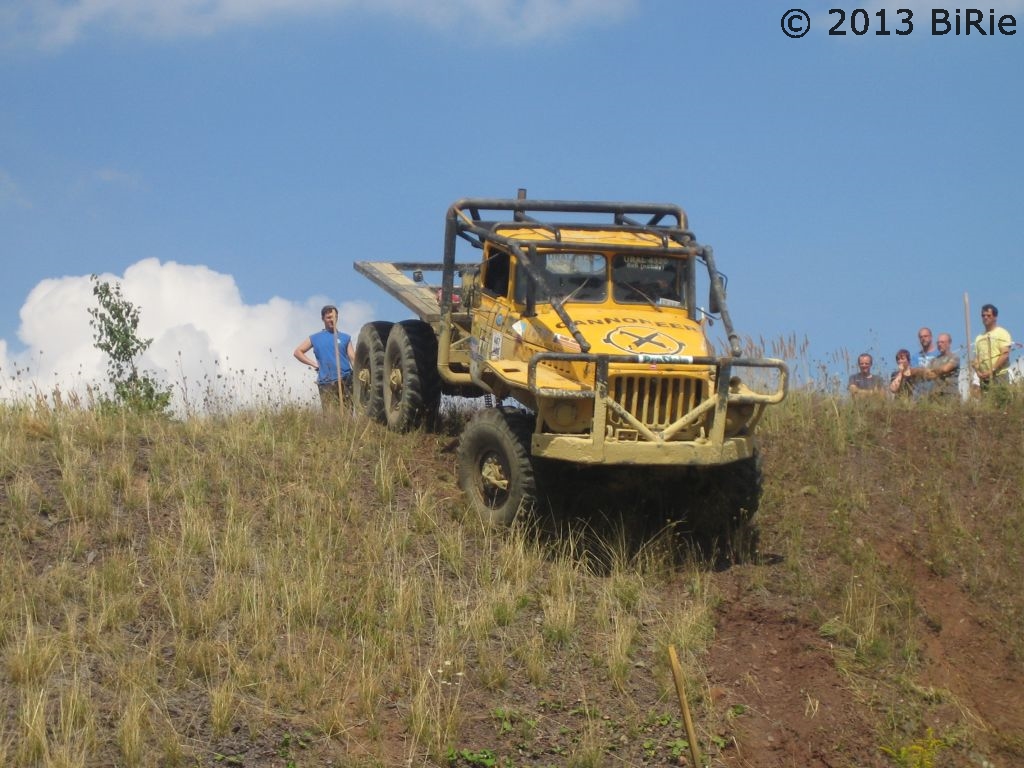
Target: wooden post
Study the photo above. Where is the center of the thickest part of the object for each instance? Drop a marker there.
(691, 735)
(969, 345)
(337, 366)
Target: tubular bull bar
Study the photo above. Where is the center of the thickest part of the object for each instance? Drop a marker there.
(657, 446)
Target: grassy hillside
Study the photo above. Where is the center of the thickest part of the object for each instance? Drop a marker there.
(273, 589)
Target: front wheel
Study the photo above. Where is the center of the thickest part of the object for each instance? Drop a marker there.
(494, 466)
(723, 506)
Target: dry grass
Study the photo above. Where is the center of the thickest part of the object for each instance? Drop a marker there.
(269, 586)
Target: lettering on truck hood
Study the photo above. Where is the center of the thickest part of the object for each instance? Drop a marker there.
(610, 332)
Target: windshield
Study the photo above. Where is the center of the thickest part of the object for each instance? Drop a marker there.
(569, 277)
(654, 280)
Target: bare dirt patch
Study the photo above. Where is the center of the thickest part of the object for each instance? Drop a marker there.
(790, 705)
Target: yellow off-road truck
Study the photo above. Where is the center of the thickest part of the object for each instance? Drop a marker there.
(586, 315)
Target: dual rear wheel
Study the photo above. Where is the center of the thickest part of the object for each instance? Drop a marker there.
(396, 380)
(368, 373)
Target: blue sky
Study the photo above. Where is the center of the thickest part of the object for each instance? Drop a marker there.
(229, 161)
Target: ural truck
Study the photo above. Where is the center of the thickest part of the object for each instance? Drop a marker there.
(586, 315)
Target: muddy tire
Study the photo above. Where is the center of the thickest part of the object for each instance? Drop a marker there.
(723, 507)
(411, 383)
(368, 370)
(494, 466)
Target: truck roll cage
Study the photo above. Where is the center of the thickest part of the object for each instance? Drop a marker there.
(464, 220)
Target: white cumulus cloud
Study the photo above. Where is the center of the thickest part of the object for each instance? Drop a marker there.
(58, 23)
(206, 341)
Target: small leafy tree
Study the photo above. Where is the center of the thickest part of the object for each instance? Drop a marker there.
(116, 325)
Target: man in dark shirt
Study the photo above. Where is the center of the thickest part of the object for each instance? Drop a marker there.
(864, 382)
(944, 371)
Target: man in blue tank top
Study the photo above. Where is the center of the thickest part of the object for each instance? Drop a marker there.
(331, 349)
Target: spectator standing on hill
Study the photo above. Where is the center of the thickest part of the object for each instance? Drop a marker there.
(901, 383)
(928, 352)
(943, 372)
(864, 382)
(332, 350)
(992, 350)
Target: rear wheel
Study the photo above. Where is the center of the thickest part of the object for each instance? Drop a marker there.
(368, 370)
(412, 385)
(494, 465)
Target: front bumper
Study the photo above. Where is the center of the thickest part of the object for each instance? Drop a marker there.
(714, 424)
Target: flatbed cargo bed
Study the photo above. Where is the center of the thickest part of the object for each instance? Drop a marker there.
(421, 297)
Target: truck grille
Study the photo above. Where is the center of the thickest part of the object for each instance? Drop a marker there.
(656, 401)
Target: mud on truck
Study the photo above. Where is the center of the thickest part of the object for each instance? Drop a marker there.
(586, 315)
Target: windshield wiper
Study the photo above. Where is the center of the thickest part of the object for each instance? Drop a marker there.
(646, 298)
(577, 289)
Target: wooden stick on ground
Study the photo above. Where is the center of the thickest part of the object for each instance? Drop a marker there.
(677, 675)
